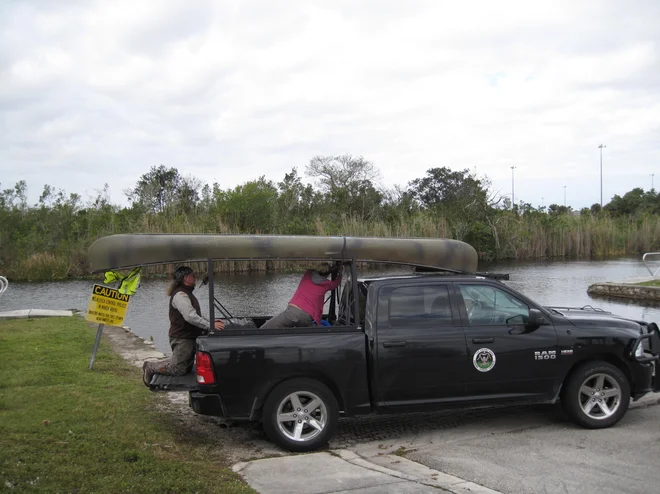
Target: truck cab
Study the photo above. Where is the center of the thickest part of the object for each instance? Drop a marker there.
(468, 339)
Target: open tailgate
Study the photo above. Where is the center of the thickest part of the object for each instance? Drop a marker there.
(187, 382)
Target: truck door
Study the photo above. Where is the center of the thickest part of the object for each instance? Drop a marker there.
(420, 346)
(506, 358)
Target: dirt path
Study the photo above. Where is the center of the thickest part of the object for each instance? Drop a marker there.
(238, 441)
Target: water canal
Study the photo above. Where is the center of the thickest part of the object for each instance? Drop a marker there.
(562, 283)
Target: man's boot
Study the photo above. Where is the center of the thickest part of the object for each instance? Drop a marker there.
(148, 371)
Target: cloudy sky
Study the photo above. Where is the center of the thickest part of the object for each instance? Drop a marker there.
(95, 92)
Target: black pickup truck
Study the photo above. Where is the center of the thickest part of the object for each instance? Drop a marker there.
(423, 342)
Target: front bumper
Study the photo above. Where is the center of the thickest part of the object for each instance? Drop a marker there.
(643, 380)
(206, 404)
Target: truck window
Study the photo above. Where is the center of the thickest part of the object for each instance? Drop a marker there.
(420, 306)
(487, 305)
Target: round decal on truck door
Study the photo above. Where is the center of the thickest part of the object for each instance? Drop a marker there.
(484, 359)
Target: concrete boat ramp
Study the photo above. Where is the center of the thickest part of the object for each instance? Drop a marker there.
(33, 313)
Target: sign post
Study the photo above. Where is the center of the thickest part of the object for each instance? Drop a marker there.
(99, 332)
(107, 306)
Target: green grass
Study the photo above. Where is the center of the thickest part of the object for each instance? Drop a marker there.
(66, 429)
(649, 283)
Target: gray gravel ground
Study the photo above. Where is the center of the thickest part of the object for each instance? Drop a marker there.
(536, 450)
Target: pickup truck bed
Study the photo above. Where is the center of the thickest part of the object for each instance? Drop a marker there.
(251, 362)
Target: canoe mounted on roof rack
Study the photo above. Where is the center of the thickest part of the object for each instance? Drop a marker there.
(132, 250)
(127, 251)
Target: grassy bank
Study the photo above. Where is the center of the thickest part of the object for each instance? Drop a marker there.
(649, 283)
(66, 429)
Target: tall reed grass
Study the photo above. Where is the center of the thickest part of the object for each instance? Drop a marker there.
(507, 236)
(42, 266)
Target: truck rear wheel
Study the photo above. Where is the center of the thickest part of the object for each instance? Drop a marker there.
(300, 415)
(596, 395)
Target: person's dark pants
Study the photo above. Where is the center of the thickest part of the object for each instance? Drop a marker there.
(292, 317)
(183, 356)
(181, 362)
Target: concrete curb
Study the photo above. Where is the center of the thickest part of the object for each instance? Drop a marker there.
(343, 471)
(403, 468)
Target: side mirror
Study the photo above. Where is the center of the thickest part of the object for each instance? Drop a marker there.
(535, 320)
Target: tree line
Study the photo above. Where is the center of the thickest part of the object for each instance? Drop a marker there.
(49, 239)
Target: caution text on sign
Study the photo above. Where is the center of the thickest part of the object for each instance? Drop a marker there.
(107, 306)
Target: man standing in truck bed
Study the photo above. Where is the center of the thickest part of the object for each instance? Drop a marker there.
(306, 306)
(186, 324)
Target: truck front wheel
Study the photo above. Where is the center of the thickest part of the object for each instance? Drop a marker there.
(596, 395)
(300, 415)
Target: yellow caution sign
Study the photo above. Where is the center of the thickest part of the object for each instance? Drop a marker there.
(107, 306)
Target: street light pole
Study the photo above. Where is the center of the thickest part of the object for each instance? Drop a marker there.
(652, 175)
(513, 199)
(564, 196)
(601, 173)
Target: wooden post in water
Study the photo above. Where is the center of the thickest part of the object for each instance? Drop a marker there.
(99, 331)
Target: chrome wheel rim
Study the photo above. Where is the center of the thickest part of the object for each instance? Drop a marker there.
(600, 396)
(301, 416)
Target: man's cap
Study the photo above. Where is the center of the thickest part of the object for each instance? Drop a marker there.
(181, 272)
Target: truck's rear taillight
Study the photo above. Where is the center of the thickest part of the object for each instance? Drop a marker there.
(205, 373)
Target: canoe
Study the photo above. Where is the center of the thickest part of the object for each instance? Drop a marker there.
(132, 250)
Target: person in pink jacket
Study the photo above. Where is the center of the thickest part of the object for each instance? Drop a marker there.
(306, 306)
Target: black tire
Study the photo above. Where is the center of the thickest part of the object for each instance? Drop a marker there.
(594, 384)
(307, 422)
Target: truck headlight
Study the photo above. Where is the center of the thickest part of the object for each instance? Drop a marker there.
(639, 350)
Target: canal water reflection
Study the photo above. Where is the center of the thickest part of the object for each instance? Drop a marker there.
(562, 283)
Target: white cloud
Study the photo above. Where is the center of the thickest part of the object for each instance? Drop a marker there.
(94, 92)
